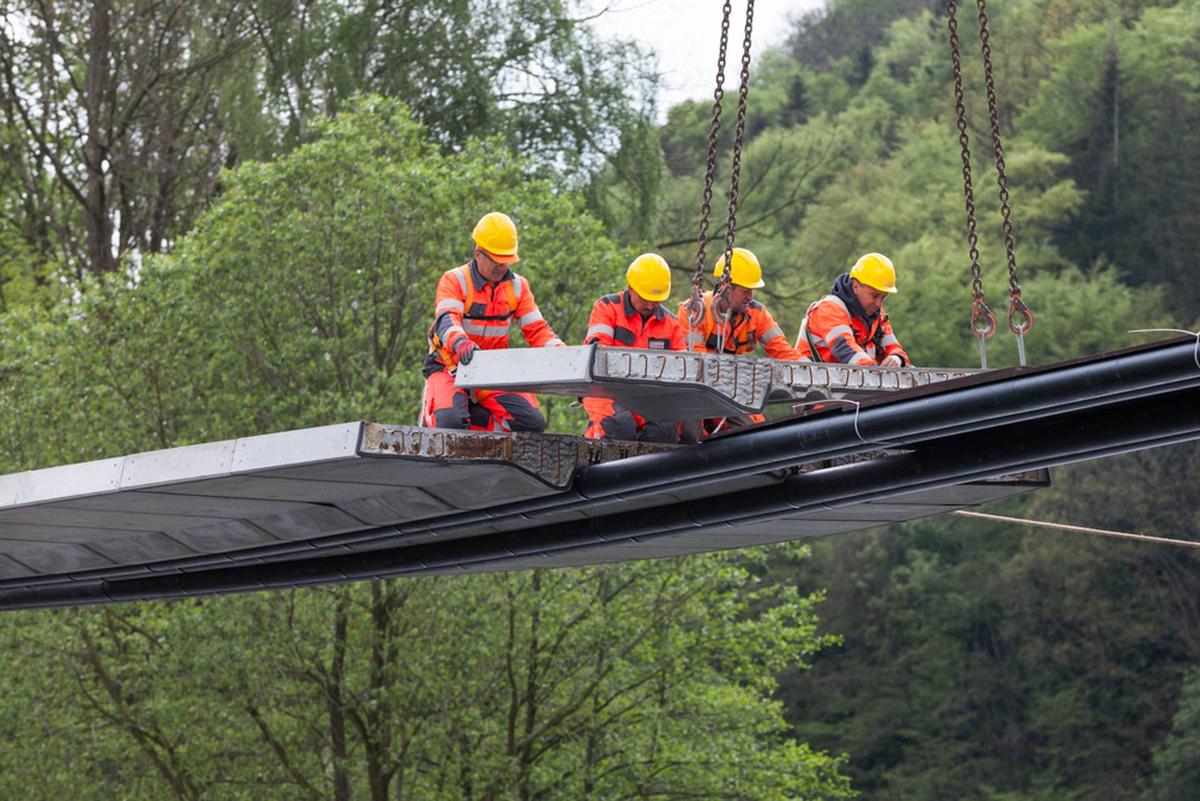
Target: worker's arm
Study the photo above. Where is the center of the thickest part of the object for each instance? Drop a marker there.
(891, 345)
(601, 325)
(829, 325)
(768, 332)
(448, 310)
(537, 331)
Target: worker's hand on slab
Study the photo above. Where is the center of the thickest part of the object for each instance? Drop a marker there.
(464, 349)
(892, 361)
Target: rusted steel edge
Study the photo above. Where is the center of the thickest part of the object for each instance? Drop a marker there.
(551, 458)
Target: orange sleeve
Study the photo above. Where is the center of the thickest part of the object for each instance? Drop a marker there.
(537, 331)
(448, 308)
(830, 326)
(600, 325)
(891, 345)
(768, 332)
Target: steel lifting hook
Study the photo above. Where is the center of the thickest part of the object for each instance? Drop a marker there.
(983, 325)
(1020, 322)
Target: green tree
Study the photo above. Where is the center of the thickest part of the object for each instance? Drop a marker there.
(1124, 104)
(1176, 767)
(598, 683)
(307, 287)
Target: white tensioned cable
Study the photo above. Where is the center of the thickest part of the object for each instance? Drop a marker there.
(1103, 532)
(1196, 334)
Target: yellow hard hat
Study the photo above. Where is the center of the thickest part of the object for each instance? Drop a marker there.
(650, 277)
(746, 270)
(497, 234)
(876, 271)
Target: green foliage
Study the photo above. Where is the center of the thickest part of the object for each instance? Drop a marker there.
(570, 684)
(981, 662)
(302, 298)
(1177, 769)
(307, 288)
(1124, 103)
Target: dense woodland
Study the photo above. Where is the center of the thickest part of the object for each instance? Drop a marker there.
(226, 217)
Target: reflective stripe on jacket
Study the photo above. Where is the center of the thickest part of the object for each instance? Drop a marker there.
(840, 336)
(742, 332)
(466, 305)
(615, 323)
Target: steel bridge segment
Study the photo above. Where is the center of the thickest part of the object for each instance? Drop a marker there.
(676, 385)
(605, 487)
(941, 464)
(1129, 372)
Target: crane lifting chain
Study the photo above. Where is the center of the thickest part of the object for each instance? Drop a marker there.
(983, 321)
(695, 313)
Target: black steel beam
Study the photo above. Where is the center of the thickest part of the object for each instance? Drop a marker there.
(937, 462)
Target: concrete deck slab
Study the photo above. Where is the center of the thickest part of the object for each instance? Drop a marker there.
(681, 385)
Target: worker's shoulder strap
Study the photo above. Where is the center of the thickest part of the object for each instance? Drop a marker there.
(812, 344)
(463, 274)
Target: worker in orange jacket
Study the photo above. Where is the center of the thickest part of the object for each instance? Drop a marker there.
(634, 318)
(736, 322)
(475, 307)
(849, 325)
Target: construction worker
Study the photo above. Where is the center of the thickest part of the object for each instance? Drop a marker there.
(475, 307)
(634, 318)
(849, 325)
(736, 322)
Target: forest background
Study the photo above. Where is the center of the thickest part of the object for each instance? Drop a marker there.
(226, 217)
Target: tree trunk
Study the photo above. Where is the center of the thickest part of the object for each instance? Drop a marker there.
(336, 704)
(378, 742)
(95, 149)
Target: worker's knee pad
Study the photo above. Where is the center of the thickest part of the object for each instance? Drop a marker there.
(481, 417)
(525, 416)
(450, 418)
(660, 431)
(456, 415)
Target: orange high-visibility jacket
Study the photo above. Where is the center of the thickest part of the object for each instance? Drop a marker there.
(742, 332)
(615, 323)
(840, 336)
(469, 306)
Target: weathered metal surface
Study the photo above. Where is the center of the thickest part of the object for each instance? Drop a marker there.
(552, 458)
(680, 384)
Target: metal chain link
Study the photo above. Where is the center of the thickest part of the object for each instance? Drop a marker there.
(723, 283)
(1020, 318)
(695, 303)
(983, 321)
